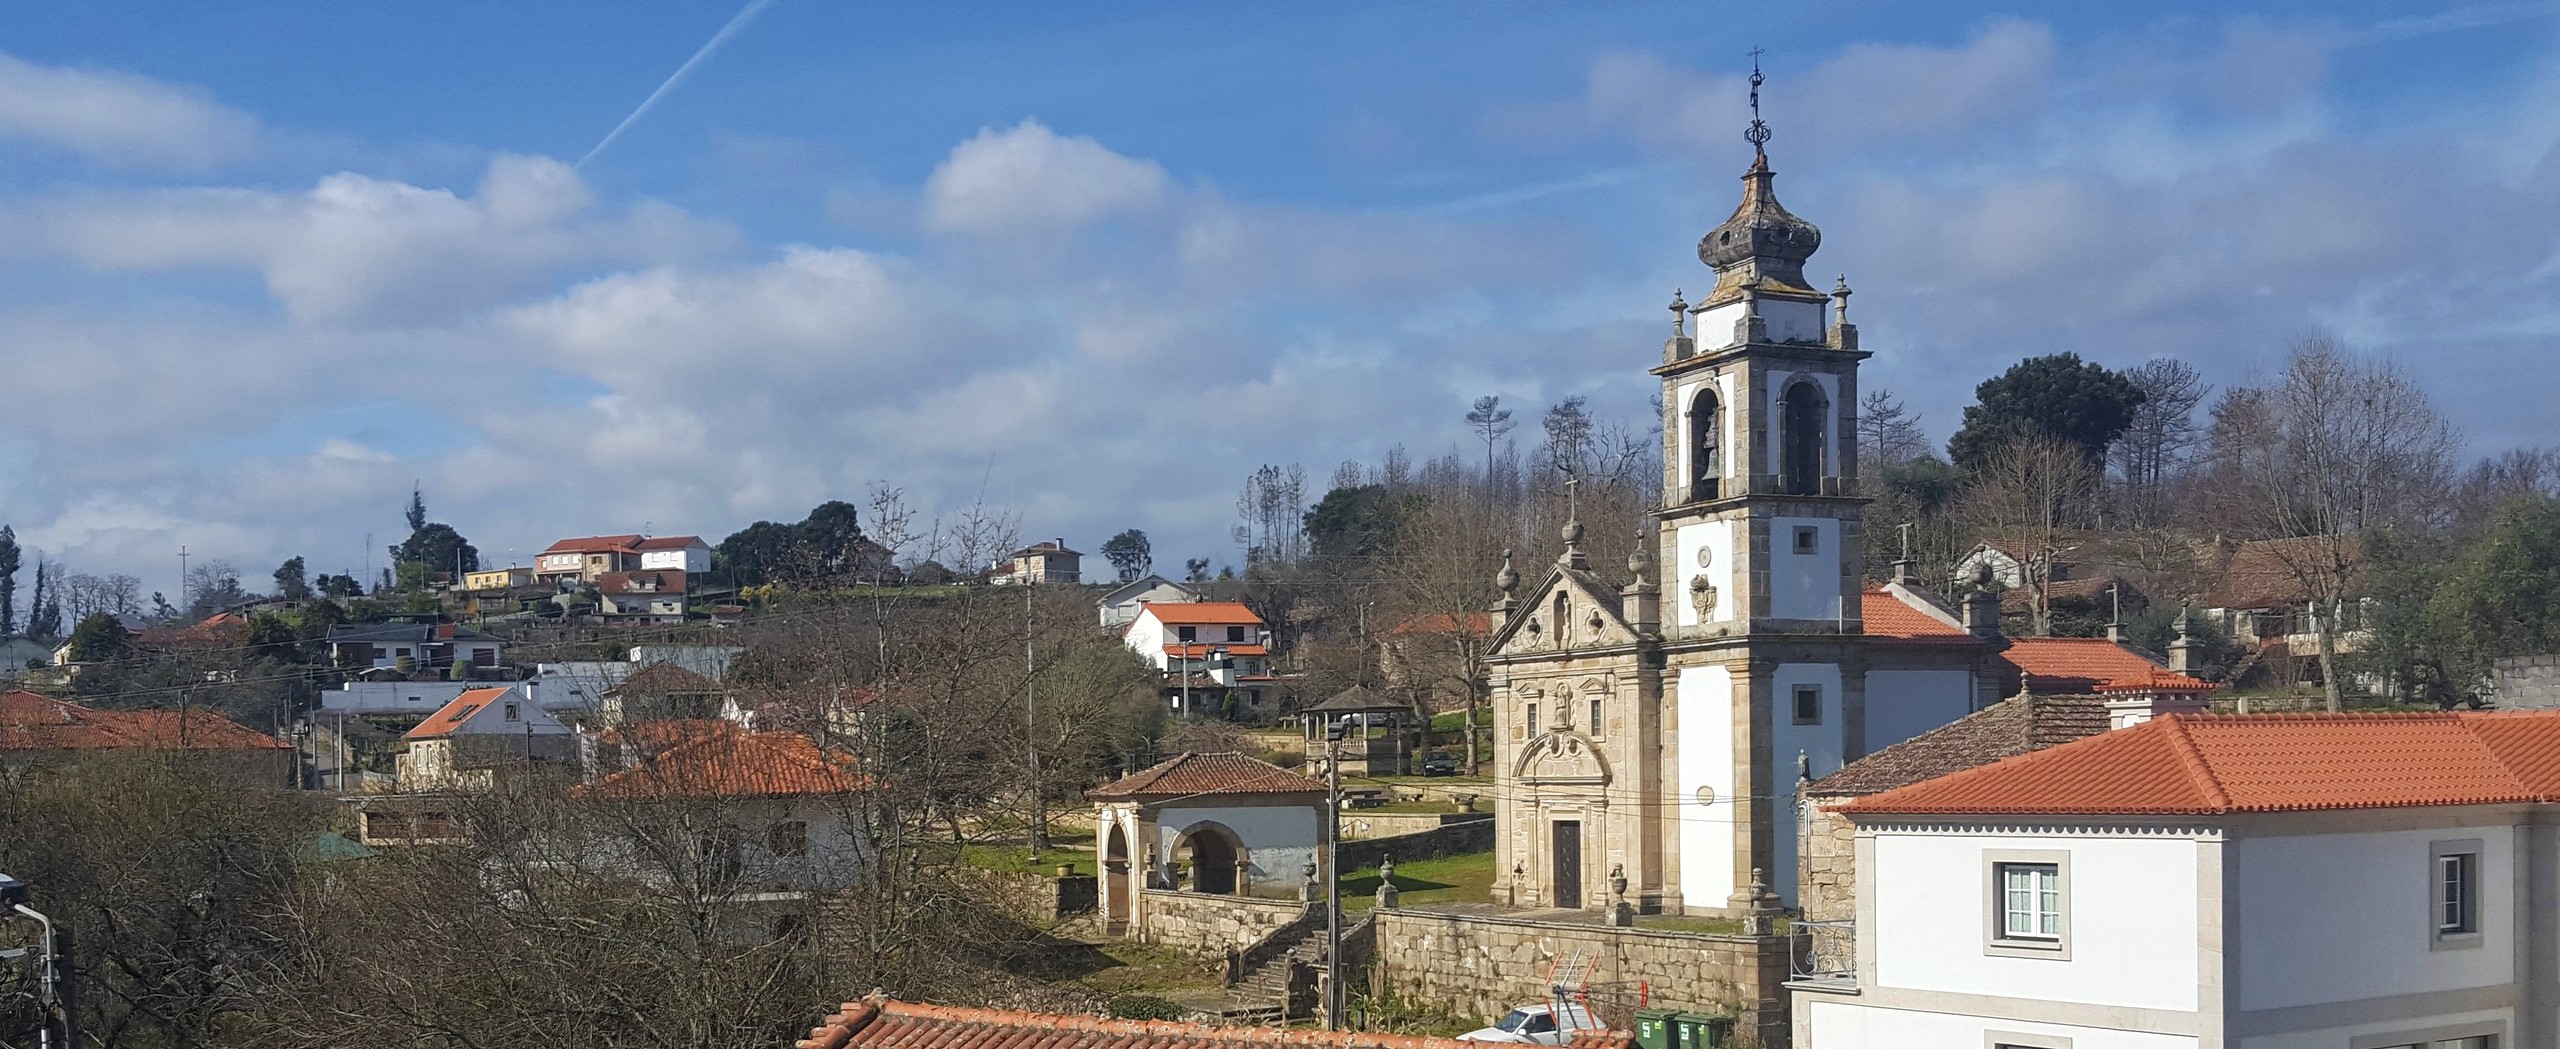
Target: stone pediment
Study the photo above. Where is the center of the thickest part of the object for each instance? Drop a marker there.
(1561, 758)
(1592, 617)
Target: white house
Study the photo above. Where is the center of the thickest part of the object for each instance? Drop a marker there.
(674, 553)
(586, 557)
(1224, 824)
(1205, 649)
(772, 813)
(641, 598)
(462, 744)
(424, 646)
(2216, 882)
(393, 697)
(1120, 604)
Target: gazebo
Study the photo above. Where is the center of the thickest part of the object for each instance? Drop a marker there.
(1378, 733)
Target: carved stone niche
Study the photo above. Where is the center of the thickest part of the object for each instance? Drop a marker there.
(1562, 759)
(1702, 596)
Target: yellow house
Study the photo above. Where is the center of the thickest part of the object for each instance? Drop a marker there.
(497, 579)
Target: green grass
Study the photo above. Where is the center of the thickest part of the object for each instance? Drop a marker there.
(1444, 879)
(1450, 721)
(1017, 858)
(1139, 969)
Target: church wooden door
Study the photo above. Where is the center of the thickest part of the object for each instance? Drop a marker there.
(1568, 860)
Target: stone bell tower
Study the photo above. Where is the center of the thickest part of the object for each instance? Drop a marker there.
(1759, 544)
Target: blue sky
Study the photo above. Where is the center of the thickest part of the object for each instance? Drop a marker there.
(265, 265)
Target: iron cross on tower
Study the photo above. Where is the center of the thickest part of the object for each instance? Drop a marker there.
(1758, 133)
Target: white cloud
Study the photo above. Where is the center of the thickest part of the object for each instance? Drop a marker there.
(359, 249)
(120, 118)
(1028, 179)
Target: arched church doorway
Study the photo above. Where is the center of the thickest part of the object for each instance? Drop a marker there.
(1116, 889)
(1216, 858)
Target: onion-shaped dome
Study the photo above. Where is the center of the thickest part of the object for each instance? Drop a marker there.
(1763, 245)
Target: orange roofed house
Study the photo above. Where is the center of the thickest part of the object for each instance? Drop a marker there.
(771, 815)
(38, 729)
(881, 1021)
(1207, 651)
(464, 744)
(2364, 881)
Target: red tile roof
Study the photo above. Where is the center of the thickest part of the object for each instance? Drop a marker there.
(2014, 726)
(1202, 613)
(669, 542)
(450, 717)
(595, 544)
(1221, 773)
(32, 722)
(2203, 764)
(735, 764)
(878, 1021)
(2071, 664)
(1889, 617)
(2157, 680)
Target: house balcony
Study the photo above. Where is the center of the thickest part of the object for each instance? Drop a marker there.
(1825, 956)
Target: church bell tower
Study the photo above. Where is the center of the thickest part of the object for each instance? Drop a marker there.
(1759, 545)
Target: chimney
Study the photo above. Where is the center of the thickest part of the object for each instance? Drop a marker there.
(1902, 573)
(2133, 701)
(1982, 607)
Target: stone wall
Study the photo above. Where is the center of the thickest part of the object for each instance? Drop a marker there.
(2527, 682)
(1203, 924)
(1359, 824)
(1033, 899)
(1484, 965)
(1827, 880)
(1448, 839)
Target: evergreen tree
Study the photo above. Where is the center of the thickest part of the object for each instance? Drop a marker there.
(290, 582)
(2060, 396)
(8, 580)
(1130, 554)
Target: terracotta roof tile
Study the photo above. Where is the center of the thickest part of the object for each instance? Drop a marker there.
(1202, 613)
(32, 722)
(2071, 664)
(1888, 617)
(2201, 764)
(2019, 725)
(735, 764)
(451, 716)
(669, 542)
(877, 1021)
(594, 544)
(1220, 773)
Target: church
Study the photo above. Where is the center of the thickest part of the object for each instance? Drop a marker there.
(1650, 736)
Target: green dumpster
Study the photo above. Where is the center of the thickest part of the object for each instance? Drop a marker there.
(1700, 1031)
(1653, 1028)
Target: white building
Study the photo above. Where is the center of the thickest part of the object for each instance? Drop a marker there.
(2267, 882)
(1224, 824)
(1205, 650)
(1120, 604)
(462, 744)
(393, 697)
(771, 813)
(674, 553)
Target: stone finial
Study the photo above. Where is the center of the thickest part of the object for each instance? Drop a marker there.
(1507, 580)
(1804, 767)
(1840, 294)
(1387, 891)
(1679, 315)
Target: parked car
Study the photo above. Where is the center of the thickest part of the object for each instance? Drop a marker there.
(1540, 1024)
(1440, 765)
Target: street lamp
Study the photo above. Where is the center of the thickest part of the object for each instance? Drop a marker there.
(53, 969)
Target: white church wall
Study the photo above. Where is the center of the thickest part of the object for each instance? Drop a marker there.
(1905, 703)
(1716, 538)
(1784, 319)
(1804, 585)
(1819, 741)
(1705, 698)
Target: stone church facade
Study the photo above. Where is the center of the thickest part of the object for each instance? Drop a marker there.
(1655, 730)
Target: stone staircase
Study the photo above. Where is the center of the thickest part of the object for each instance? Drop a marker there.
(1263, 991)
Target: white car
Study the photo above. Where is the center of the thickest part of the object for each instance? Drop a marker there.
(1536, 1025)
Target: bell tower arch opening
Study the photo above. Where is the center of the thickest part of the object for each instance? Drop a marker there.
(1706, 442)
(1803, 416)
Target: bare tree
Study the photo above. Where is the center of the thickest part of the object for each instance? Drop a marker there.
(1888, 434)
(1491, 421)
(2151, 451)
(2027, 492)
(2336, 446)
(1271, 515)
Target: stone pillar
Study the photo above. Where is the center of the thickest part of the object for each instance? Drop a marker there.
(1387, 892)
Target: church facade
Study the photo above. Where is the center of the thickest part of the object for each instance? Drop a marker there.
(1650, 735)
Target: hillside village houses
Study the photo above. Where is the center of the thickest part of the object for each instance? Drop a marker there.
(1120, 604)
(1047, 562)
(1206, 650)
(462, 745)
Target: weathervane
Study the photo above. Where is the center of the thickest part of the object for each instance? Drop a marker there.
(1758, 133)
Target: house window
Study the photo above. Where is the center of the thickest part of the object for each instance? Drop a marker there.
(1595, 715)
(2454, 889)
(1808, 704)
(789, 838)
(1533, 721)
(1187, 633)
(513, 712)
(1235, 633)
(2030, 904)
(1808, 539)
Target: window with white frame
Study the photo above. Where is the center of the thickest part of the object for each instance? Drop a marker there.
(2464, 1036)
(2029, 903)
(2453, 877)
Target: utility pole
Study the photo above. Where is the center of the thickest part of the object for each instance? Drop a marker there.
(182, 576)
(1333, 879)
(1031, 735)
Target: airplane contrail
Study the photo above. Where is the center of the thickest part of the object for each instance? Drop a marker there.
(737, 22)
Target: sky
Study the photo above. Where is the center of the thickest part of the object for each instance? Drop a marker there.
(264, 267)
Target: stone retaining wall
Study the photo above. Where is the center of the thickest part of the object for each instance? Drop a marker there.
(2526, 682)
(1034, 899)
(1361, 824)
(1450, 839)
(1484, 965)
(1208, 925)
(1827, 882)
